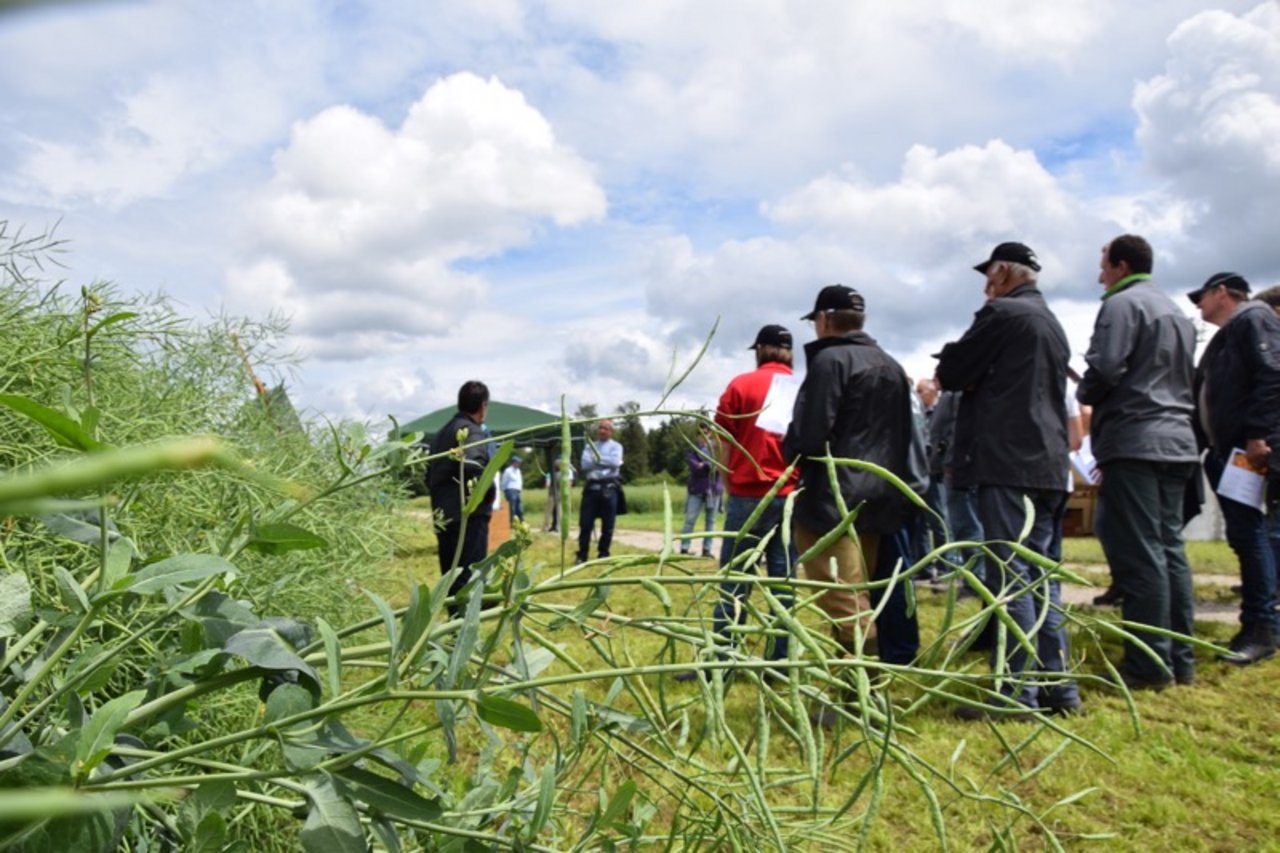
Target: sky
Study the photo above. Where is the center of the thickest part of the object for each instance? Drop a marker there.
(569, 200)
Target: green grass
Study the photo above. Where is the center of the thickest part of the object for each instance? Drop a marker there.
(1192, 769)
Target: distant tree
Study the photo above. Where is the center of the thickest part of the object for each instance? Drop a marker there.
(586, 411)
(668, 443)
(629, 431)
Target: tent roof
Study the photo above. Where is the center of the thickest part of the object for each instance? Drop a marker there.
(503, 418)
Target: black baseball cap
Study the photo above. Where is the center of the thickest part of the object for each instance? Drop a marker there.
(772, 336)
(1017, 253)
(1229, 280)
(836, 297)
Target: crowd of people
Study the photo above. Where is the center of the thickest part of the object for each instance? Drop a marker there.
(981, 441)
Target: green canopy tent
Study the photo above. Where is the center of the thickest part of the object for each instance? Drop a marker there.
(503, 419)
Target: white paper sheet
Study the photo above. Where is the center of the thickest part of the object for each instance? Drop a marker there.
(1241, 483)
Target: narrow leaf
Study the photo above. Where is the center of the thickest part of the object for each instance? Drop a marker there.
(61, 428)
(332, 654)
(507, 713)
(281, 537)
(388, 796)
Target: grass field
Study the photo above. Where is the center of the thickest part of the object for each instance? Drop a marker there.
(1192, 768)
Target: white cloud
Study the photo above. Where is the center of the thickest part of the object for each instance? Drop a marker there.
(368, 221)
(1210, 124)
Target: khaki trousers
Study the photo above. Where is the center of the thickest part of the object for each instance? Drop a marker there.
(851, 558)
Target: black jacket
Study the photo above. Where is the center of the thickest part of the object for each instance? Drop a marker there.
(1011, 364)
(1239, 379)
(855, 400)
(449, 480)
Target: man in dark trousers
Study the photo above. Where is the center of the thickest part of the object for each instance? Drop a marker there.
(1140, 365)
(1237, 394)
(463, 541)
(854, 403)
(1011, 433)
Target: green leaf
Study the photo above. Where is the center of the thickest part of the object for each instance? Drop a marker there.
(15, 603)
(546, 799)
(286, 701)
(184, 568)
(496, 463)
(110, 321)
(69, 589)
(332, 654)
(332, 825)
(211, 834)
(61, 428)
(507, 713)
(116, 565)
(265, 648)
(389, 621)
(277, 538)
(619, 803)
(99, 735)
(388, 796)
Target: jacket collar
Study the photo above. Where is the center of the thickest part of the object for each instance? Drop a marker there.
(848, 339)
(1124, 283)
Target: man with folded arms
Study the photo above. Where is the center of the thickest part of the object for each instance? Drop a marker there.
(1237, 393)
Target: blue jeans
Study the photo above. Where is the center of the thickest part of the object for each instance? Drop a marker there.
(695, 505)
(778, 562)
(515, 504)
(1247, 536)
(962, 517)
(599, 501)
(1002, 512)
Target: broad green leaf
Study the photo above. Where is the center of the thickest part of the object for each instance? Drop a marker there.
(89, 419)
(387, 796)
(211, 834)
(15, 603)
(61, 428)
(265, 648)
(182, 569)
(332, 825)
(286, 701)
(99, 735)
(507, 713)
(281, 537)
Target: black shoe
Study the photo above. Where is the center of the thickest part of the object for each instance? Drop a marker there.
(691, 675)
(1135, 683)
(1254, 643)
(1184, 679)
(1237, 589)
(706, 555)
(1111, 598)
(1073, 708)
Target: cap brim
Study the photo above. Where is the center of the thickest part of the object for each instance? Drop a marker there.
(1195, 296)
(810, 315)
(982, 267)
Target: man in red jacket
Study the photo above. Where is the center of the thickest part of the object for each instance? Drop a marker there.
(754, 410)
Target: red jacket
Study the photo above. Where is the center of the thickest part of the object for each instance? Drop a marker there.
(737, 413)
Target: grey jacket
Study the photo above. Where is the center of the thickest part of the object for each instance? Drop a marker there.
(1141, 362)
